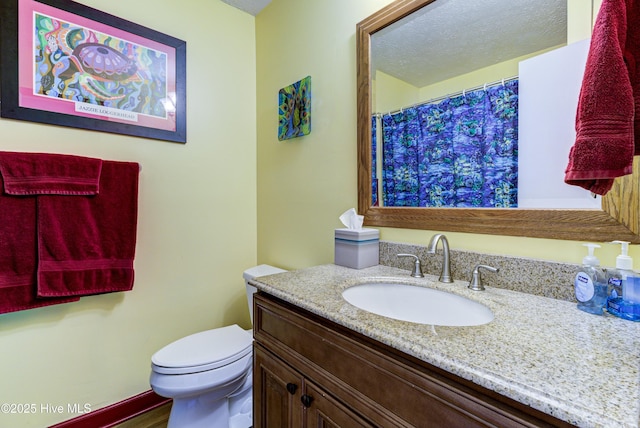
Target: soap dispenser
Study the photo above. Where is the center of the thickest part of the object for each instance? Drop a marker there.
(622, 301)
(590, 285)
(617, 276)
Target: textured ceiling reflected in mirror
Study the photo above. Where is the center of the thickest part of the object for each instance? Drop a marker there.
(463, 36)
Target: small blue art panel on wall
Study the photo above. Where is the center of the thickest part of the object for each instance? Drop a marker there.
(295, 110)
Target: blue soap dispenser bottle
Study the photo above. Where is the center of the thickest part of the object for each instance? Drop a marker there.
(590, 285)
(623, 300)
(616, 277)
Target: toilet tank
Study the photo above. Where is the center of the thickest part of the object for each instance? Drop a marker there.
(255, 272)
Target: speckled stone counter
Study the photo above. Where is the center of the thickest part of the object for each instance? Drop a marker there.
(542, 352)
(539, 277)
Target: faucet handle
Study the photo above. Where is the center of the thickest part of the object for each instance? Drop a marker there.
(476, 280)
(417, 267)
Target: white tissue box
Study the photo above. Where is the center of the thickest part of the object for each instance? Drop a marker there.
(357, 249)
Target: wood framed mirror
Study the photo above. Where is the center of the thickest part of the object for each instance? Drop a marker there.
(617, 219)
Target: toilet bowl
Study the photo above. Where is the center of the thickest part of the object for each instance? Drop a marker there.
(209, 374)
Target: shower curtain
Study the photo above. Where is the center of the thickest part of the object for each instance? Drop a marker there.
(374, 161)
(460, 152)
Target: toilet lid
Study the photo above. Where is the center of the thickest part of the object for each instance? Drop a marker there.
(203, 351)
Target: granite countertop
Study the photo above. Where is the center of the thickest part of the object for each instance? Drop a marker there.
(543, 352)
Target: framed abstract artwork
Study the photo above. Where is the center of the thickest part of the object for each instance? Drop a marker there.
(294, 110)
(67, 64)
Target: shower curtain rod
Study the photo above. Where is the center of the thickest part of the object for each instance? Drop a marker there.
(454, 94)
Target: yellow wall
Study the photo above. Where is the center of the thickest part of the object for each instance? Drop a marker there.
(390, 94)
(196, 228)
(306, 183)
(477, 78)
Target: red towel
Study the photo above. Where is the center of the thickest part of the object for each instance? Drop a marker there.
(49, 174)
(609, 97)
(68, 228)
(87, 245)
(18, 255)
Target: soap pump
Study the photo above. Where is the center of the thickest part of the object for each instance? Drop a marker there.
(624, 261)
(590, 285)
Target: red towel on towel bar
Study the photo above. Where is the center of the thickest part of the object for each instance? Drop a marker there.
(18, 255)
(86, 245)
(18, 240)
(609, 98)
(68, 228)
(49, 174)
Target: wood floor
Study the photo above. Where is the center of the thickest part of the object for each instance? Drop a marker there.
(157, 418)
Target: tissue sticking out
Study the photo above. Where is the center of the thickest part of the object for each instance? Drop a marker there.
(351, 219)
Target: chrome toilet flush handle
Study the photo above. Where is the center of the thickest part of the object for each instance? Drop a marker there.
(476, 279)
(417, 267)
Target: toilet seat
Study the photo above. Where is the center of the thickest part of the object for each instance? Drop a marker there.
(207, 350)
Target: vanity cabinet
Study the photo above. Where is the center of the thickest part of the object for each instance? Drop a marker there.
(290, 400)
(311, 372)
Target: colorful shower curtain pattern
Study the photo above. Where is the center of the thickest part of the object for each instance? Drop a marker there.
(374, 161)
(460, 152)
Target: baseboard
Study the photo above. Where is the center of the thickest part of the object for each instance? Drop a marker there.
(116, 413)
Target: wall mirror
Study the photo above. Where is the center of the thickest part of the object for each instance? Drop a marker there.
(615, 218)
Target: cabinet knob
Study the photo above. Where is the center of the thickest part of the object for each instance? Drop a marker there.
(292, 387)
(306, 400)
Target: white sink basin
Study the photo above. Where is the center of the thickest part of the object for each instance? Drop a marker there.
(417, 304)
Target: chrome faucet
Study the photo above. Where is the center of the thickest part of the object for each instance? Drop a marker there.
(417, 268)
(445, 275)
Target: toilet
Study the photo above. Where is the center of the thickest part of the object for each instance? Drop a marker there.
(209, 374)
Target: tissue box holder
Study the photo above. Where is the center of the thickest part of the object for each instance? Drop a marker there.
(356, 249)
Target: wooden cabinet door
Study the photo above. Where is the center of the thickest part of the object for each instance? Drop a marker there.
(276, 392)
(324, 411)
(284, 399)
